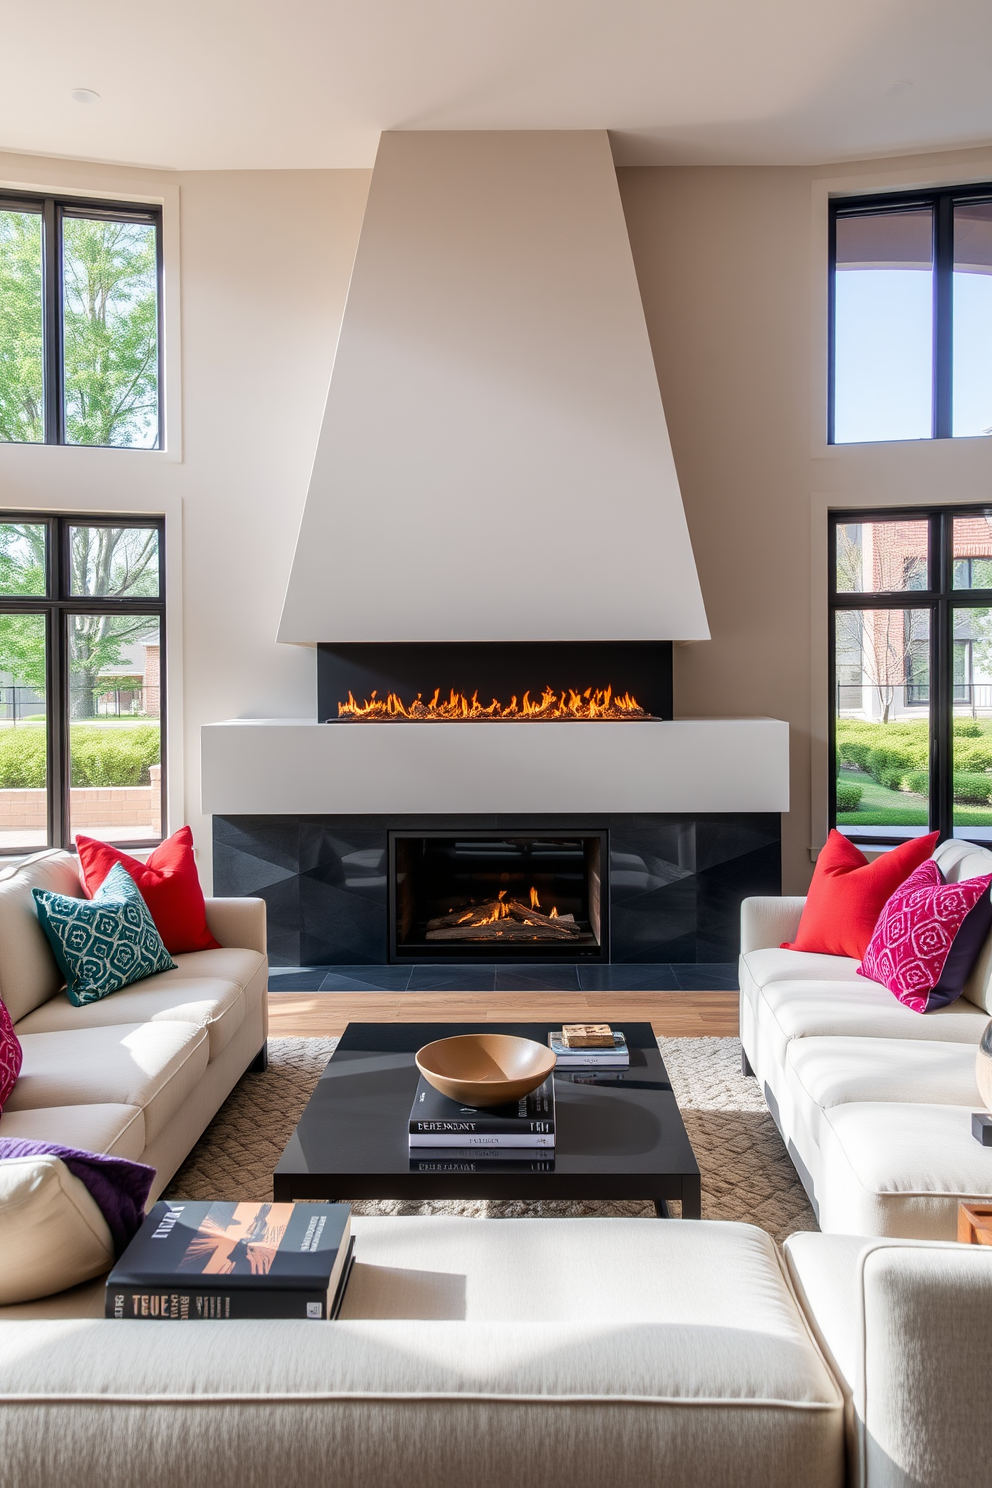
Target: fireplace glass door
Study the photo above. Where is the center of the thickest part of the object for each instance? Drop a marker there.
(494, 896)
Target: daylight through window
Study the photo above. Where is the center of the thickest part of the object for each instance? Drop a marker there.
(82, 623)
(911, 316)
(80, 323)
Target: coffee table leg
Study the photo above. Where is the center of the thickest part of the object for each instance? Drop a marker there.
(661, 1209)
(692, 1202)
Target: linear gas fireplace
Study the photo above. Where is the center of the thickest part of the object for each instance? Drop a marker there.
(493, 896)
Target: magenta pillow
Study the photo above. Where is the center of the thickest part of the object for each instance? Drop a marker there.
(928, 937)
(10, 1055)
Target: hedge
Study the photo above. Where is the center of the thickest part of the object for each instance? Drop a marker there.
(972, 787)
(100, 756)
(848, 795)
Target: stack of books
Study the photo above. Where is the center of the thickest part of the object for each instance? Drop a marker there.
(436, 1121)
(579, 1052)
(200, 1261)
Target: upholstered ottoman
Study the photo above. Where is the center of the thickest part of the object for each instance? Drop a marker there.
(490, 1353)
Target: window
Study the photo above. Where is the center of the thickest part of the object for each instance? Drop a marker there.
(80, 323)
(82, 634)
(911, 673)
(911, 316)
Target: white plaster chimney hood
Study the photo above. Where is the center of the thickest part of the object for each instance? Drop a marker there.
(494, 463)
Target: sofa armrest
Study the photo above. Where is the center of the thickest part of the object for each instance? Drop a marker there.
(768, 922)
(238, 922)
(905, 1326)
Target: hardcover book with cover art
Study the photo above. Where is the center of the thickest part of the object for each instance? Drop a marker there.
(193, 1260)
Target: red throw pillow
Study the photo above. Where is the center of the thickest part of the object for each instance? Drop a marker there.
(169, 885)
(848, 893)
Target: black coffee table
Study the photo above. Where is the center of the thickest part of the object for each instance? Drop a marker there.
(620, 1132)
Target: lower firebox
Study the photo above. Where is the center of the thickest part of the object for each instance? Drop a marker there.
(494, 896)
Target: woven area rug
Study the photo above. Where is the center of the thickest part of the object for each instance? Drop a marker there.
(746, 1172)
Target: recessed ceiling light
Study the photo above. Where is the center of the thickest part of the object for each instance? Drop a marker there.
(84, 95)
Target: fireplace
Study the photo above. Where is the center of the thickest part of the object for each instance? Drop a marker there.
(498, 895)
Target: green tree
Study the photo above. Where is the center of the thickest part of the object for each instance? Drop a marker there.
(21, 405)
(111, 332)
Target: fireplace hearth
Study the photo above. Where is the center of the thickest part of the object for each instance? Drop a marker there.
(493, 896)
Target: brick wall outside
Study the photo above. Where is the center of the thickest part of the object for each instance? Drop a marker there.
(91, 806)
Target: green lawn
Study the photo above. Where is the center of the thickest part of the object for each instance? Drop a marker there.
(888, 808)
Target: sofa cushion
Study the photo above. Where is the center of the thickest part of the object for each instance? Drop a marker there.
(928, 937)
(29, 973)
(151, 1065)
(103, 943)
(836, 1071)
(52, 1233)
(169, 885)
(778, 965)
(789, 1010)
(230, 964)
(697, 1369)
(101, 1127)
(899, 1168)
(847, 893)
(210, 1003)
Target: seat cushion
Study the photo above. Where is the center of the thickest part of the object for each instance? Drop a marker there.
(778, 965)
(151, 1065)
(893, 1168)
(52, 1233)
(837, 1071)
(788, 1010)
(217, 1006)
(229, 964)
(697, 1370)
(102, 1127)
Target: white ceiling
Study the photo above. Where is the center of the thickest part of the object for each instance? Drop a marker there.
(222, 84)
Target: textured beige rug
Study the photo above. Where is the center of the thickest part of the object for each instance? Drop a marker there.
(746, 1172)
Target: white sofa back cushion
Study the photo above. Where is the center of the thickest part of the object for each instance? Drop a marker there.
(956, 861)
(52, 1233)
(29, 974)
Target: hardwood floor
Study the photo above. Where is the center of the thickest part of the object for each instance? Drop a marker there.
(675, 1014)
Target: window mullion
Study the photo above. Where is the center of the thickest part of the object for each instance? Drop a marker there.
(943, 310)
(52, 324)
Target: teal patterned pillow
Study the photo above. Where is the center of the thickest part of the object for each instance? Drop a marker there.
(103, 943)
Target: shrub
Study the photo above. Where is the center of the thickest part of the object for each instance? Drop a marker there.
(848, 795)
(966, 728)
(101, 756)
(853, 752)
(888, 766)
(972, 787)
(918, 781)
(973, 758)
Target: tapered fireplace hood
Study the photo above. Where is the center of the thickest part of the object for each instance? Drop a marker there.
(494, 462)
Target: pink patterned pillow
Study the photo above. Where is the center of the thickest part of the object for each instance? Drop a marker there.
(10, 1055)
(928, 937)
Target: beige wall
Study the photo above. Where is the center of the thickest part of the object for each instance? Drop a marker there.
(732, 269)
(731, 265)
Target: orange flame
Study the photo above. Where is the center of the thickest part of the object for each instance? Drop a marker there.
(535, 903)
(594, 703)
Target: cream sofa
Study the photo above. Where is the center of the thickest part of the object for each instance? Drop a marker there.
(502, 1353)
(140, 1073)
(873, 1101)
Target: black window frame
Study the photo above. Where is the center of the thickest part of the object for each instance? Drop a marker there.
(942, 201)
(56, 604)
(53, 211)
(941, 599)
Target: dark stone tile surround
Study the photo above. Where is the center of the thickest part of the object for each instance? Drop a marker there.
(676, 884)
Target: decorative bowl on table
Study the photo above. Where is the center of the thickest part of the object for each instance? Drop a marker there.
(485, 1069)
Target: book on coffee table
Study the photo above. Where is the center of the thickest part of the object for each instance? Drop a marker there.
(501, 1160)
(613, 1056)
(436, 1121)
(193, 1260)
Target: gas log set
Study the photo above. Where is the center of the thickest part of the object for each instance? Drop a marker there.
(505, 920)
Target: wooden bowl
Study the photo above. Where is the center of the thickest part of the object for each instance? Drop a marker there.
(485, 1069)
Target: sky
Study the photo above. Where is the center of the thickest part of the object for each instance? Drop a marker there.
(883, 354)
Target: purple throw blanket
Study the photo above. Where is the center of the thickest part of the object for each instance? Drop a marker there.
(119, 1187)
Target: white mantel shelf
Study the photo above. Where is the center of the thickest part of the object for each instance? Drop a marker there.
(290, 767)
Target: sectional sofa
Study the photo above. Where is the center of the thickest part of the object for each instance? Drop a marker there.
(138, 1074)
(874, 1101)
